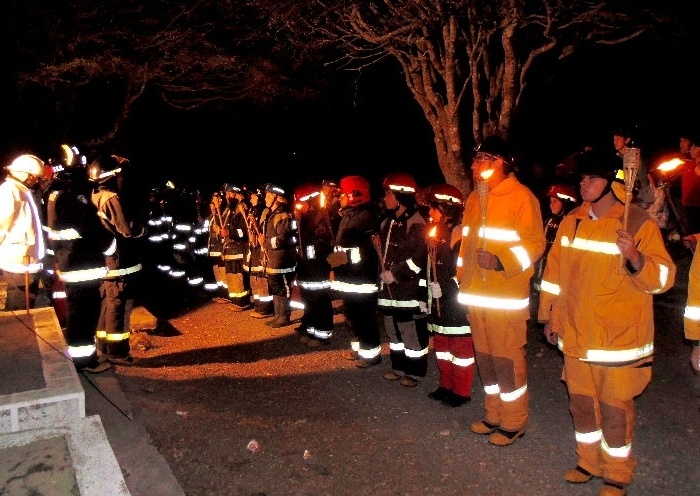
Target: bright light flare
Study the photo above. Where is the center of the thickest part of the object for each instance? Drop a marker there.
(670, 165)
(485, 175)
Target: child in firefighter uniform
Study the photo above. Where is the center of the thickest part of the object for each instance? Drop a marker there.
(313, 272)
(502, 238)
(447, 322)
(403, 291)
(354, 262)
(597, 307)
(235, 247)
(279, 242)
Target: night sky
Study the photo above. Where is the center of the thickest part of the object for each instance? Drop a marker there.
(371, 125)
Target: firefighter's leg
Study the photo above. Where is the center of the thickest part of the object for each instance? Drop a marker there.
(585, 412)
(619, 386)
(487, 369)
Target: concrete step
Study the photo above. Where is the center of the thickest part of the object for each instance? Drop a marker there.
(47, 444)
(46, 390)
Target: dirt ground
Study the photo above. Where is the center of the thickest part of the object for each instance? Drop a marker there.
(212, 382)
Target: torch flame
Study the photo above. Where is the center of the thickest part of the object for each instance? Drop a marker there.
(486, 174)
(433, 232)
(670, 165)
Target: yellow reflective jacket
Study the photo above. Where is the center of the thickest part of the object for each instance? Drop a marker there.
(691, 317)
(602, 313)
(512, 230)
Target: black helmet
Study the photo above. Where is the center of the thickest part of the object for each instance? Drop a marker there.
(69, 163)
(103, 169)
(598, 163)
(495, 145)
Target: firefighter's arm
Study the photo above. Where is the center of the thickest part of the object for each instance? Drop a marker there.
(531, 242)
(657, 270)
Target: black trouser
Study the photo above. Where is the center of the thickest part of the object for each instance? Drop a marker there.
(114, 324)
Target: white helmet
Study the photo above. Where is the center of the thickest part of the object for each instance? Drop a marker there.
(28, 164)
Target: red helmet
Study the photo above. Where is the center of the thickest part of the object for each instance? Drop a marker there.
(356, 189)
(563, 192)
(400, 182)
(444, 193)
(306, 192)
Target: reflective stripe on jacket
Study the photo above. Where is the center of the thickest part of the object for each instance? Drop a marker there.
(604, 314)
(511, 230)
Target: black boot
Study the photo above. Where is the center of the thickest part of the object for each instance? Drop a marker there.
(282, 312)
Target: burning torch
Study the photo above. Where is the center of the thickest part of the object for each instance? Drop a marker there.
(665, 168)
(432, 258)
(482, 188)
(630, 164)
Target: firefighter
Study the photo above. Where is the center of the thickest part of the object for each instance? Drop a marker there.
(598, 310)
(502, 238)
(279, 243)
(256, 260)
(691, 316)
(122, 259)
(215, 247)
(235, 248)
(403, 292)
(354, 262)
(77, 241)
(447, 321)
(313, 272)
(22, 246)
(562, 199)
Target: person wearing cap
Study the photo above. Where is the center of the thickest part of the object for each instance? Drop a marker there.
(22, 246)
(607, 262)
(502, 238)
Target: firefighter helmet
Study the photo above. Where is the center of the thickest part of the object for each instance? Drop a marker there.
(69, 163)
(498, 147)
(103, 169)
(271, 188)
(306, 192)
(400, 182)
(606, 165)
(444, 193)
(356, 190)
(563, 192)
(29, 164)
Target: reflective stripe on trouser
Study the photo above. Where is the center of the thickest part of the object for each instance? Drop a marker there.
(602, 407)
(83, 304)
(114, 324)
(318, 312)
(409, 340)
(499, 338)
(360, 312)
(455, 362)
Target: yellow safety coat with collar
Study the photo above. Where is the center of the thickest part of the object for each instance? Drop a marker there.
(691, 317)
(512, 231)
(604, 315)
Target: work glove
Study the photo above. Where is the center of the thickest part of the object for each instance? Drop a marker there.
(387, 277)
(337, 258)
(435, 289)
